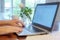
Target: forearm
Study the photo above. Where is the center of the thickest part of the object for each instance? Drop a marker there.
(3, 22)
(5, 30)
(9, 29)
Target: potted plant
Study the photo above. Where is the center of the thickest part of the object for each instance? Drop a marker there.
(25, 11)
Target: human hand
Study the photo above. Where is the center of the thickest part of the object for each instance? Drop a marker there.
(10, 29)
(16, 22)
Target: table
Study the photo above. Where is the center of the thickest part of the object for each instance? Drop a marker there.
(50, 36)
(11, 37)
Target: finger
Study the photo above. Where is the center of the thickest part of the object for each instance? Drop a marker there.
(14, 24)
(20, 25)
(17, 24)
(21, 22)
(15, 29)
(18, 29)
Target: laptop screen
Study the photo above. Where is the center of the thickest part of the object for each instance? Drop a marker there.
(44, 14)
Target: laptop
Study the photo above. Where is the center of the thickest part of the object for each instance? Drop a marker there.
(43, 19)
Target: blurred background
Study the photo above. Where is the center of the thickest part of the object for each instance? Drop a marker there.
(11, 7)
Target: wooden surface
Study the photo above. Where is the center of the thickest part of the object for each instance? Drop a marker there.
(11, 37)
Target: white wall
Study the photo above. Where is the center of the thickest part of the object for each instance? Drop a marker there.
(51, 1)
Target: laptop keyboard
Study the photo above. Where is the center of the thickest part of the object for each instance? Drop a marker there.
(33, 29)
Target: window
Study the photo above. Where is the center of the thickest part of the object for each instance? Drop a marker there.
(33, 3)
(7, 8)
(11, 7)
(16, 8)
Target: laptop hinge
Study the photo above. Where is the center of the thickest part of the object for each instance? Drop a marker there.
(41, 28)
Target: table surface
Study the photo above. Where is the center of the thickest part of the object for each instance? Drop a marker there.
(12, 37)
(50, 36)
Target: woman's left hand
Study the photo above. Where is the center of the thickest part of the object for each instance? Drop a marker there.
(16, 22)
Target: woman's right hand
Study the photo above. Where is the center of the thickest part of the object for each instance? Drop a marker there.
(10, 29)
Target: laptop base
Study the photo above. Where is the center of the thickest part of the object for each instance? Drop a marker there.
(31, 31)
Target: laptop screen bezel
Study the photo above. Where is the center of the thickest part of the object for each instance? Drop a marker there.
(42, 26)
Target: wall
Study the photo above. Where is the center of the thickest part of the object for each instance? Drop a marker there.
(52, 0)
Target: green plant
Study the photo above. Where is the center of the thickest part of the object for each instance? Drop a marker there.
(26, 11)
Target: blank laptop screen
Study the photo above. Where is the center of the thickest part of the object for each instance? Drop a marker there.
(44, 14)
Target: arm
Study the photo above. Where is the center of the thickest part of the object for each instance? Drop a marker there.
(9, 29)
(11, 22)
(4, 22)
